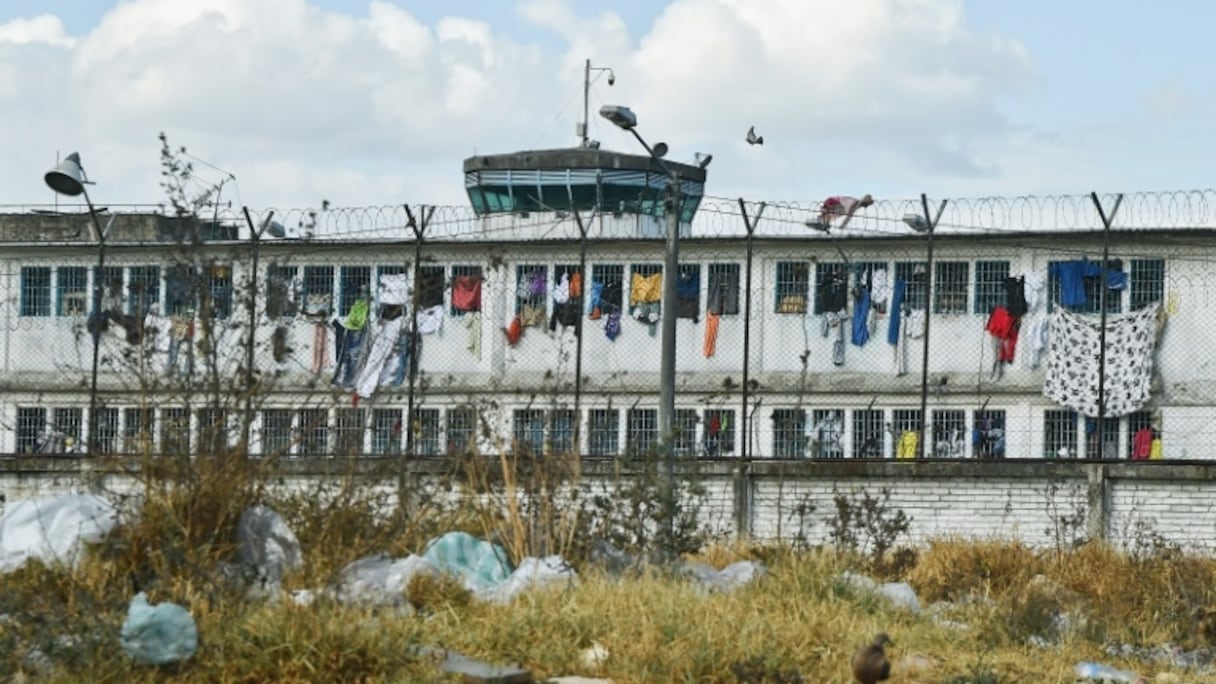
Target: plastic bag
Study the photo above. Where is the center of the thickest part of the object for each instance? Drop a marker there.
(158, 634)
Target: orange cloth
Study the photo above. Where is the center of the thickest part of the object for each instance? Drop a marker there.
(576, 285)
(711, 333)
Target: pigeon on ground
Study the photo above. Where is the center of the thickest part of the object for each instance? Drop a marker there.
(870, 664)
(752, 138)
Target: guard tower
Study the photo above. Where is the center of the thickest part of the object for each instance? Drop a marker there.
(620, 195)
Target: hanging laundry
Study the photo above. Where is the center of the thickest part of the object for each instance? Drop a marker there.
(595, 297)
(381, 351)
(576, 285)
(393, 288)
(897, 305)
(430, 319)
(612, 326)
(1142, 444)
(560, 292)
(430, 288)
(1032, 290)
(320, 350)
(1073, 354)
(880, 290)
(472, 324)
(645, 289)
(840, 206)
(1003, 327)
(909, 440)
(514, 330)
(711, 333)
(1036, 331)
(1015, 296)
(466, 293)
(861, 317)
(688, 296)
(531, 316)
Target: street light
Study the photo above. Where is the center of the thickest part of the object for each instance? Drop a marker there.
(623, 117)
(68, 178)
(587, 69)
(923, 223)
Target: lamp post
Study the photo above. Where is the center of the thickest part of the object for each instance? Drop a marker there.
(587, 69)
(624, 118)
(68, 178)
(924, 223)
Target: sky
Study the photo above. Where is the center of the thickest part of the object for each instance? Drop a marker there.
(285, 103)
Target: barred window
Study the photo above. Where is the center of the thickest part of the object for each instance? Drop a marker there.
(314, 433)
(612, 277)
(949, 433)
(431, 286)
(561, 431)
(281, 292)
(464, 275)
(719, 432)
(1059, 434)
(950, 287)
(348, 432)
(684, 441)
(68, 421)
(793, 282)
(831, 284)
(276, 432)
(35, 291)
(864, 270)
(137, 426)
(868, 433)
(105, 430)
(789, 433)
(31, 423)
(529, 430)
(318, 289)
(175, 432)
(1102, 438)
(428, 432)
(531, 288)
(71, 296)
(642, 271)
(143, 286)
(1140, 420)
(180, 284)
(641, 431)
(219, 289)
(386, 431)
(354, 282)
(1093, 287)
(723, 289)
(688, 292)
(1147, 282)
(904, 421)
(989, 433)
(916, 292)
(461, 429)
(990, 285)
(827, 433)
(110, 280)
(604, 432)
(212, 431)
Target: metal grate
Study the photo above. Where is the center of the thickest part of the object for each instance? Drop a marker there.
(789, 433)
(219, 289)
(719, 429)
(793, 281)
(950, 287)
(641, 431)
(428, 432)
(314, 433)
(212, 431)
(868, 433)
(461, 429)
(612, 277)
(1102, 440)
(318, 289)
(827, 433)
(180, 283)
(1140, 420)
(143, 287)
(386, 431)
(604, 427)
(35, 291)
(68, 422)
(903, 422)
(175, 432)
(916, 292)
(31, 424)
(949, 433)
(105, 430)
(684, 441)
(990, 285)
(723, 288)
(473, 273)
(348, 432)
(137, 426)
(354, 282)
(1093, 287)
(561, 431)
(1147, 282)
(831, 279)
(276, 431)
(281, 291)
(72, 291)
(529, 430)
(988, 437)
(1059, 434)
(531, 287)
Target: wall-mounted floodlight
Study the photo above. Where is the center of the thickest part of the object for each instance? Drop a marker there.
(917, 222)
(620, 116)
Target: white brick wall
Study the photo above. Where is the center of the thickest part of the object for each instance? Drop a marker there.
(1179, 512)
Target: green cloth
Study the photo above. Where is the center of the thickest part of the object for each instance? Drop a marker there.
(357, 318)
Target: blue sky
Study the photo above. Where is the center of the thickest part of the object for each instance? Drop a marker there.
(372, 101)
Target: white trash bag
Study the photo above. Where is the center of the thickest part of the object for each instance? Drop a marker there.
(158, 634)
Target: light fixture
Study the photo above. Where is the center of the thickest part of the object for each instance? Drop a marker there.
(620, 116)
(703, 160)
(67, 178)
(272, 227)
(660, 149)
(821, 226)
(917, 222)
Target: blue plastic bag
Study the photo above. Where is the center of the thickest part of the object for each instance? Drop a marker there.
(160, 634)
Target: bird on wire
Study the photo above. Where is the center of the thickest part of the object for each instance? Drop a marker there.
(752, 138)
(870, 664)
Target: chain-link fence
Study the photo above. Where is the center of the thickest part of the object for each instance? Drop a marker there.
(424, 331)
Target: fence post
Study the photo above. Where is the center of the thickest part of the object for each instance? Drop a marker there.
(1097, 509)
(743, 490)
(578, 334)
(410, 477)
(750, 224)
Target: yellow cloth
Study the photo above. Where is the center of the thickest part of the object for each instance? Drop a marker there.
(907, 444)
(645, 289)
(1154, 451)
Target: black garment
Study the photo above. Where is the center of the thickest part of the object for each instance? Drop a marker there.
(1015, 296)
(834, 295)
(391, 312)
(430, 290)
(611, 294)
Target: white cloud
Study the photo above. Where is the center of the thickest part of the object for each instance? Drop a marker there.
(302, 103)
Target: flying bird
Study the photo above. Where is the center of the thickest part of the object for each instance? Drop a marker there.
(752, 138)
(870, 664)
